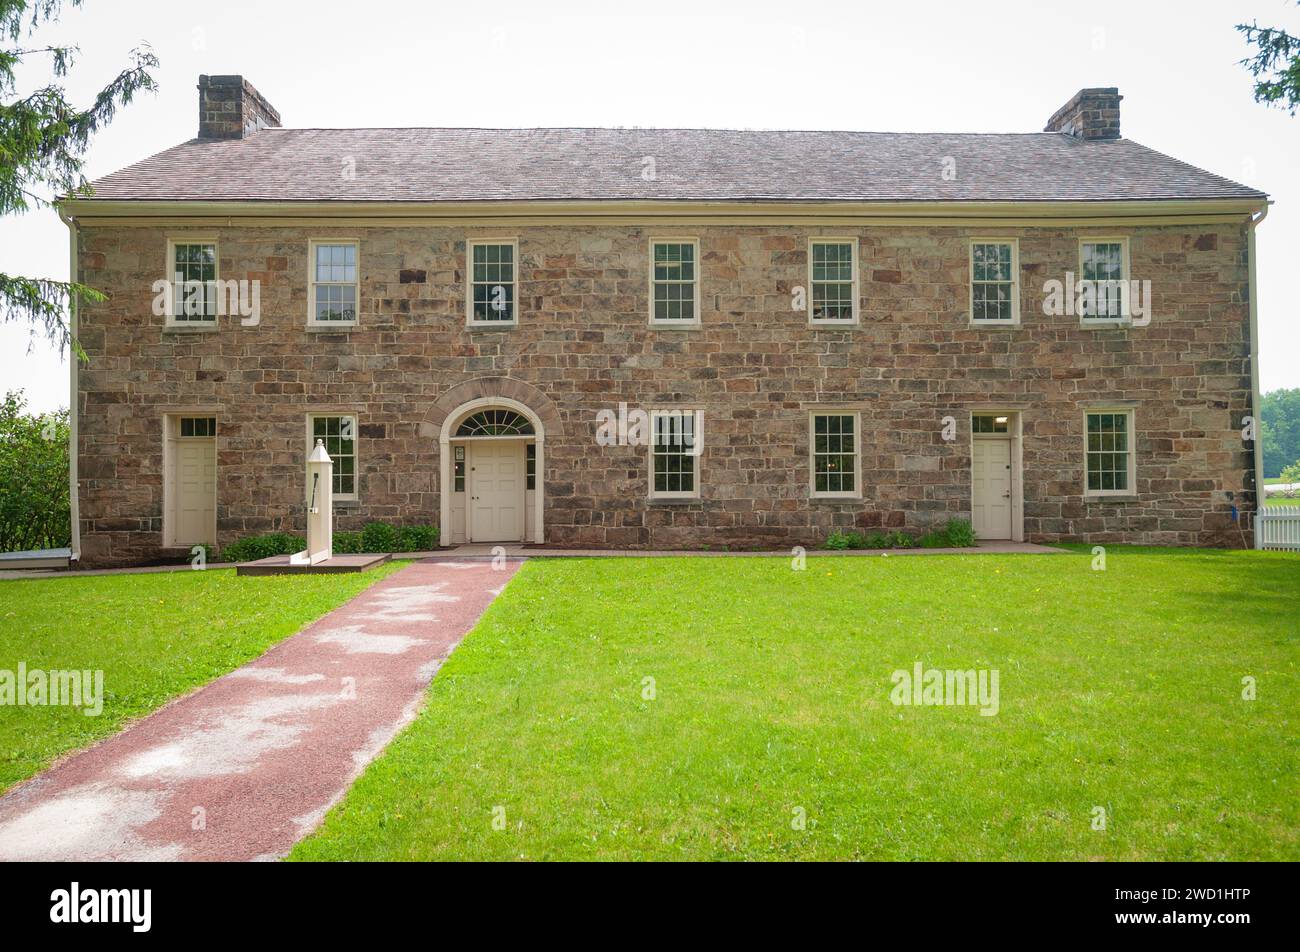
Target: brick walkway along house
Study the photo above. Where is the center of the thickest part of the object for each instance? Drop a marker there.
(800, 330)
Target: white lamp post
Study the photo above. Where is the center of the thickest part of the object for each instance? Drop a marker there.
(320, 508)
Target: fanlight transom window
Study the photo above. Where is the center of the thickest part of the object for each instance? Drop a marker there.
(495, 423)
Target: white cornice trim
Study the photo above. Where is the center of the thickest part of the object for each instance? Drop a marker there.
(1008, 214)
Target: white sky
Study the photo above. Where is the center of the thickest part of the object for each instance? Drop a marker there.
(954, 66)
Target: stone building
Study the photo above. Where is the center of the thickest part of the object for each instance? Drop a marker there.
(663, 338)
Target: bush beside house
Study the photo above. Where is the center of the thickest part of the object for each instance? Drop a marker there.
(376, 537)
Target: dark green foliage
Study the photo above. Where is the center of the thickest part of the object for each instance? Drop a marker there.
(347, 543)
(955, 534)
(43, 140)
(34, 507)
(252, 548)
(1280, 430)
(1275, 64)
(417, 538)
(379, 537)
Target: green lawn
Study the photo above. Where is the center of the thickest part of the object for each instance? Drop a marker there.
(154, 636)
(1119, 689)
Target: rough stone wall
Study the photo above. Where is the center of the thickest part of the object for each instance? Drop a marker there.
(755, 367)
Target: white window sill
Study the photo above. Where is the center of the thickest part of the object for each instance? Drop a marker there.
(491, 325)
(197, 327)
(675, 498)
(333, 325)
(975, 323)
(677, 325)
(836, 497)
(842, 323)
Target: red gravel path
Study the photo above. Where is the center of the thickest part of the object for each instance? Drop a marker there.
(246, 766)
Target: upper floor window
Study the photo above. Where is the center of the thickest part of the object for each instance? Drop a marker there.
(675, 446)
(1110, 452)
(333, 286)
(192, 269)
(833, 281)
(835, 454)
(994, 281)
(493, 282)
(673, 295)
(340, 436)
(1103, 264)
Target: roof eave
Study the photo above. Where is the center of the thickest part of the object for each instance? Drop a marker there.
(94, 210)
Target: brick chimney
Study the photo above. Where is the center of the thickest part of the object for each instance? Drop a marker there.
(230, 108)
(1091, 114)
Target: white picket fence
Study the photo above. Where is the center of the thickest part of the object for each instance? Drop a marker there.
(1278, 527)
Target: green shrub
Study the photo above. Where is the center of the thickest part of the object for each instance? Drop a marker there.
(878, 540)
(901, 540)
(347, 543)
(379, 537)
(960, 533)
(934, 539)
(417, 538)
(836, 540)
(252, 548)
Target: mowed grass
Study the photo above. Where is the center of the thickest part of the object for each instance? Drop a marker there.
(1119, 689)
(155, 636)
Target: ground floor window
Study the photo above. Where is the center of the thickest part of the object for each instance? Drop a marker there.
(676, 442)
(340, 436)
(834, 454)
(1109, 453)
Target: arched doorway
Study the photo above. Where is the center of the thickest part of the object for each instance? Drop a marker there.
(492, 453)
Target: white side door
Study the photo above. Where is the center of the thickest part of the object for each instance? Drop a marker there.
(991, 473)
(496, 483)
(195, 476)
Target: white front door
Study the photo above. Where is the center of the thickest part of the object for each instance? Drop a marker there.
(195, 488)
(992, 479)
(496, 484)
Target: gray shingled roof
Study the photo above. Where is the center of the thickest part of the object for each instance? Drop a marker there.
(456, 165)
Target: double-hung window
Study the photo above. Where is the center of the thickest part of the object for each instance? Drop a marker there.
(493, 283)
(332, 289)
(677, 439)
(1103, 273)
(340, 436)
(994, 281)
(835, 455)
(1109, 456)
(192, 274)
(674, 282)
(833, 281)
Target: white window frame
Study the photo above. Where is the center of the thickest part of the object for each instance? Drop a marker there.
(695, 283)
(857, 287)
(470, 245)
(813, 493)
(312, 417)
(1126, 274)
(1015, 281)
(1131, 413)
(697, 455)
(312, 323)
(169, 272)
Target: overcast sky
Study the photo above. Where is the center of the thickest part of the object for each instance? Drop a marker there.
(953, 66)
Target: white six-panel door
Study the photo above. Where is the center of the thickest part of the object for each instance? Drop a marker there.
(496, 484)
(195, 475)
(992, 478)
